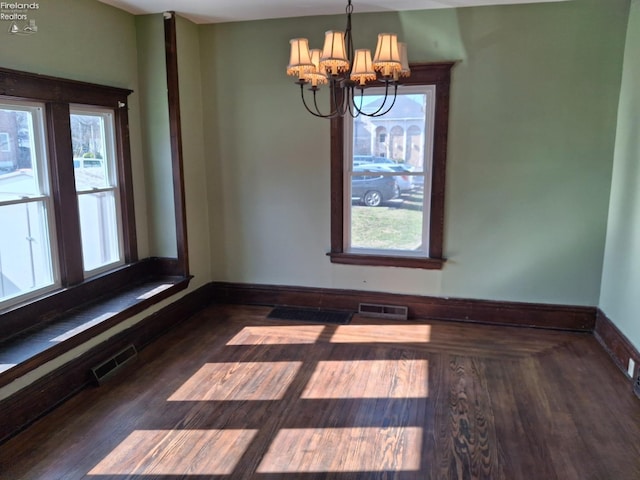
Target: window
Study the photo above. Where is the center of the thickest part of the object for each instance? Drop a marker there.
(388, 194)
(95, 172)
(66, 210)
(394, 183)
(27, 237)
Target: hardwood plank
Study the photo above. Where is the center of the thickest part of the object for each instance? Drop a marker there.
(230, 394)
(466, 445)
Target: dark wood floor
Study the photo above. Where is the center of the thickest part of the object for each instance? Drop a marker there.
(233, 395)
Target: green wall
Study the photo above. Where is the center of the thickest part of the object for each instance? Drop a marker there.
(193, 152)
(92, 42)
(154, 105)
(532, 129)
(157, 145)
(620, 297)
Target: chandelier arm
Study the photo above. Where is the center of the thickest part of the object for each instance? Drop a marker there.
(356, 108)
(359, 108)
(395, 95)
(304, 102)
(331, 114)
(340, 104)
(384, 102)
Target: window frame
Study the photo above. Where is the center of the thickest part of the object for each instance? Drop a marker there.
(110, 167)
(429, 92)
(58, 96)
(40, 165)
(439, 75)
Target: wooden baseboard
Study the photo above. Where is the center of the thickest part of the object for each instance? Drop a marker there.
(561, 317)
(616, 343)
(40, 397)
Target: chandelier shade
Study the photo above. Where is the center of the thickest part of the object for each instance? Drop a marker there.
(387, 57)
(362, 70)
(348, 71)
(300, 58)
(334, 54)
(318, 76)
(404, 60)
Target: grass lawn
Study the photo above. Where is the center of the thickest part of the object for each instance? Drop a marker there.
(395, 225)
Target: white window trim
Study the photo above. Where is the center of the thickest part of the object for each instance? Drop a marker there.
(430, 92)
(40, 166)
(109, 161)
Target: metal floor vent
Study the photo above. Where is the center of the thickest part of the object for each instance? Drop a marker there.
(392, 312)
(112, 365)
(636, 384)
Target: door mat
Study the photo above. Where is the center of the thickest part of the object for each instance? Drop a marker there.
(310, 315)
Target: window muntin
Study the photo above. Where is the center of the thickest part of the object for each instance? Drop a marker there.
(28, 265)
(95, 172)
(387, 181)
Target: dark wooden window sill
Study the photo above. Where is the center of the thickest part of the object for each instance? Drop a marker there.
(33, 347)
(387, 260)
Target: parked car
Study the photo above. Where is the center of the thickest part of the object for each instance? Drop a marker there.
(373, 190)
(370, 159)
(405, 182)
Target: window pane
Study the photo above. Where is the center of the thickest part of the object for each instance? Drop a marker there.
(90, 150)
(389, 207)
(25, 253)
(26, 263)
(17, 176)
(395, 226)
(99, 229)
(95, 177)
(395, 138)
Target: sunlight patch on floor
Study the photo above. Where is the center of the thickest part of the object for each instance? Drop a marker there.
(382, 334)
(81, 328)
(176, 452)
(404, 378)
(154, 291)
(325, 450)
(278, 335)
(238, 381)
(6, 366)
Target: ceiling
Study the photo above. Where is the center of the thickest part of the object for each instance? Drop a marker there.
(218, 11)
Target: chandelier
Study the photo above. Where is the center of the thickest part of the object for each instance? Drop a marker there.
(348, 72)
